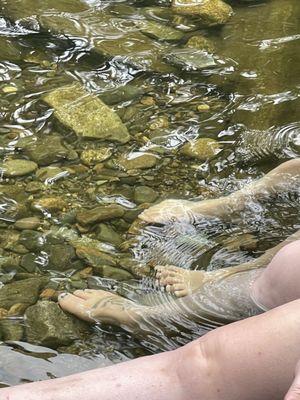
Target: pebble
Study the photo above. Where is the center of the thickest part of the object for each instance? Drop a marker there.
(28, 223)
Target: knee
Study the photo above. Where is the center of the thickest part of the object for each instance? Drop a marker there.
(279, 282)
(197, 367)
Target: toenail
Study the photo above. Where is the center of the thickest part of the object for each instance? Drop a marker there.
(62, 296)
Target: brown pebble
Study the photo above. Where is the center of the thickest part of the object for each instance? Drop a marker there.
(49, 294)
(17, 309)
(86, 272)
(3, 313)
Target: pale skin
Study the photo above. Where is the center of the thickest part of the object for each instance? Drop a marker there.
(250, 359)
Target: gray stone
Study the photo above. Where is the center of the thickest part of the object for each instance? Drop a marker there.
(31, 239)
(61, 257)
(48, 325)
(100, 213)
(17, 167)
(25, 291)
(86, 114)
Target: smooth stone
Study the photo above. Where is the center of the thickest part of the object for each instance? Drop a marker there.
(9, 50)
(14, 168)
(121, 94)
(191, 59)
(201, 149)
(99, 214)
(25, 292)
(144, 194)
(95, 156)
(109, 235)
(86, 114)
(48, 174)
(28, 223)
(211, 12)
(43, 151)
(137, 160)
(94, 257)
(107, 271)
(34, 187)
(48, 325)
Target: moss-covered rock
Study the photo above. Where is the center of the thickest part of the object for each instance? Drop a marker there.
(202, 149)
(107, 234)
(86, 114)
(52, 204)
(200, 42)
(93, 156)
(94, 257)
(144, 194)
(211, 12)
(43, 151)
(159, 31)
(25, 292)
(48, 325)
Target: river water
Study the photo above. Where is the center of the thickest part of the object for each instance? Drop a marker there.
(167, 79)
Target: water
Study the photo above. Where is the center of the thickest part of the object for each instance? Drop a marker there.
(243, 92)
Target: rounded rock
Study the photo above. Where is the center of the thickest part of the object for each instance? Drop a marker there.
(17, 167)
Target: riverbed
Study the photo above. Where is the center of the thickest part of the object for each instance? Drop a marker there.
(109, 107)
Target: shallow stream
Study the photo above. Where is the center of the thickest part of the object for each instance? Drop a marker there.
(99, 104)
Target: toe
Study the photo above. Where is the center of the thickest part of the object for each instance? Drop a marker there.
(81, 294)
(74, 305)
(169, 280)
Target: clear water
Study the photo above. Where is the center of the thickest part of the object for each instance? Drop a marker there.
(252, 101)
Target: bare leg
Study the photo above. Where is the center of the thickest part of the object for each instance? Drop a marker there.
(252, 359)
(283, 178)
(294, 391)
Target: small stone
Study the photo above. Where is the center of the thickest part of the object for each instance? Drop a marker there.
(159, 123)
(92, 157)
(211, 12)
(190, 59)
(3, 313)
(34, 187)
(119, 274)
(14, 168)
(94, 257)
(49, 174)
(148, 101)
(100, 213)
(137, 160)
(203, 107)
(49, 294)
(50, 204)
(86, 273)
(144, 194)
(17, 309)
(28, 223)
(201, 149)
(159, 31)
(9, 89)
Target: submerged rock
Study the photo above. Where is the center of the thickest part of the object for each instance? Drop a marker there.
(94, 257)
(211, 12)
(28, 223)
(200, 43)
(49, 203)
(43, 151)
(202, 149)
(144, 194)
(95, 156)
(17, 167)
(100, 213)
(159, 31)
(86, 114)
(137, 160)
(191, 59)
(48, 325)
(109, 235)
(25, 292)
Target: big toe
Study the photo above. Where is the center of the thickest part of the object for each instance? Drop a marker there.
(75, 305)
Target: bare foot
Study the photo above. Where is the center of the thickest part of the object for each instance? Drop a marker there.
(168, 210)
(98, 305)
(179, 281)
